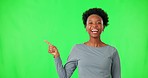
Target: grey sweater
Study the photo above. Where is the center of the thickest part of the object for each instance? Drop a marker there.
(92, 62)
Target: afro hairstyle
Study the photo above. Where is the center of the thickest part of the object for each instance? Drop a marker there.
(97, 11)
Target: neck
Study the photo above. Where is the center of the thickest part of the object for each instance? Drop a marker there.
(94, 42)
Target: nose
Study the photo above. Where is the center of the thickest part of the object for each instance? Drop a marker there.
(94, 25)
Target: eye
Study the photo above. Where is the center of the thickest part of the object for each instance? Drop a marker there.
(99, 22)
(90, 23)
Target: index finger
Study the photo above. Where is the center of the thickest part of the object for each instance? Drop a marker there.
(47, 42)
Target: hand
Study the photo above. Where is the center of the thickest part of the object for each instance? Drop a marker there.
(52, 49)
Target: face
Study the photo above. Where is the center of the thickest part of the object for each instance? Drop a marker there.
(94, 25)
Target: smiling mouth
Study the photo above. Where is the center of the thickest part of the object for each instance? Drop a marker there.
(94, 31)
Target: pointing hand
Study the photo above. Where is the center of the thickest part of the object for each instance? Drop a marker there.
(52, 49)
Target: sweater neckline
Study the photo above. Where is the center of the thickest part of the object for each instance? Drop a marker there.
(95, 47)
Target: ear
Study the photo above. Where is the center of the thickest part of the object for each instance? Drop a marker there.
(102, 28)
(87, 27)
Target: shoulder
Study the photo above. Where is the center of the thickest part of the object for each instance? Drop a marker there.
(113, 50)
(110, 50)
(75, 50)
(77, 46)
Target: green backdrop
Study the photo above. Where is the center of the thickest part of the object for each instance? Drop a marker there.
(25, 24)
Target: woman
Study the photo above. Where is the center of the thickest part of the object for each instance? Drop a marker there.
(94, 58)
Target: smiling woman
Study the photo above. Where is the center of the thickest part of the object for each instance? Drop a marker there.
(24, 24)
(93, 58)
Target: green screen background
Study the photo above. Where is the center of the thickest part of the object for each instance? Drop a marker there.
(25, 24)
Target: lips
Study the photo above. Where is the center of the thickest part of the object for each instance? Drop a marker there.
(94, 31)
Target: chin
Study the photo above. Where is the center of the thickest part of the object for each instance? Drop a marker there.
(95, 36)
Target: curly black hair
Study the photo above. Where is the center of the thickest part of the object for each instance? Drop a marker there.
(97, 11)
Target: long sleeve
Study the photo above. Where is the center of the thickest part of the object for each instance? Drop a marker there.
(69, 67)
(116, 70)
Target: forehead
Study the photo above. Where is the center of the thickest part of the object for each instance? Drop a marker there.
(94, 17)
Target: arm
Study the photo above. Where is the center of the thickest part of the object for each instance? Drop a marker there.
(69, 67)
(67, 70)
(115, 69)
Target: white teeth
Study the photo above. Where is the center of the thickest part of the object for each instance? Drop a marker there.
(94, 30)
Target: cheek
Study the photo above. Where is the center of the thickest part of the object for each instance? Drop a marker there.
(100, 27)
(87, 27)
